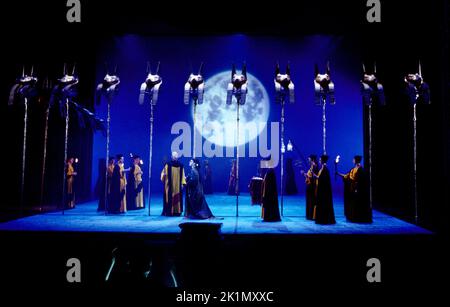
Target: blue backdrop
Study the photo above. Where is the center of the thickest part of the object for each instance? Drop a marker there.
(303, 125)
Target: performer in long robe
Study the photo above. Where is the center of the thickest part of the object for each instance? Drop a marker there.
(135, 188)
(291, 186)
(70, 177)
(310, 181)
(324, 212)
(102, 203)
(173, 179)
(270, 211)
(196, 205)
(207, 182)
(356, 196)
(118, 202)
(232, 180)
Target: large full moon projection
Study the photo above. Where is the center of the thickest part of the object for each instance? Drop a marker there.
(216, 120)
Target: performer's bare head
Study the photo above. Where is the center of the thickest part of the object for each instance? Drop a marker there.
(174, 155)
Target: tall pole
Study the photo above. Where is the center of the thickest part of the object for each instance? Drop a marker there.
(370, 156)
(194, 134)
(324, 127)
(66, 137)
(416, 213)
(150, 156)
(237, 159)
(44, 159)
(108, 127)
(282, 154)
(24, 149)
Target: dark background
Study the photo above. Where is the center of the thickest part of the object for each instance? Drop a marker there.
(37, 33)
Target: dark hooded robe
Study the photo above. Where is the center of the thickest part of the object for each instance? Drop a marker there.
(310, 193)
(324, 212)
(103, 202)
(196, 205)
(173, 179)
(232, 180)
(207, 182)
(269, 209)
(117, 192)
(356, 196)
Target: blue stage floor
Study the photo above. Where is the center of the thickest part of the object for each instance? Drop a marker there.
(85, 218)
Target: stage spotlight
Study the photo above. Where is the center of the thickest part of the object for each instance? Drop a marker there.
(76, 160)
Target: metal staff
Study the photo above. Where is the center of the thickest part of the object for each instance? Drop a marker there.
(44, 158)
(66, 138)
(372, 92)
(193, 91)
(284, 89)
(417, 91)
(24, 149)
(46, 87)
(62, 93)
(23, 89)
(150, 88)
(237, 88)
(324, 91)
(108, 88)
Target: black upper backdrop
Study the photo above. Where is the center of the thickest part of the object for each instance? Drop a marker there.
(37, 33)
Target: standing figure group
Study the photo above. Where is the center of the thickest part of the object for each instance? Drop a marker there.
(319, 195)
(174, 180)
(124, 189)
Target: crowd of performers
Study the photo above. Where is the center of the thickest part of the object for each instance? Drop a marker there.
(319, 196)
(124, 189)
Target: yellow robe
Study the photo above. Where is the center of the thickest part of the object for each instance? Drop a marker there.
(70, 197)
(174, 200)
(138, 180)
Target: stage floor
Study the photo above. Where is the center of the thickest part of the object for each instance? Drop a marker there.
(85, 218)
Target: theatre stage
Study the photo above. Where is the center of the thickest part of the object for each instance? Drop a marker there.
(85, 218)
